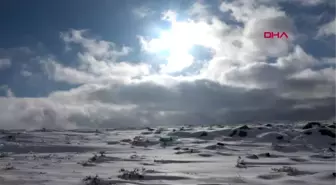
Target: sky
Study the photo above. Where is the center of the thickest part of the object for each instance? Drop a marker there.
(105, 63)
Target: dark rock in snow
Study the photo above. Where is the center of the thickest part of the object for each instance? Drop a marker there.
(10, 138)
(177, 148)
(204, 134)
(220, 144)
(269, 125)
(150, 129)
(234, 132)
(267, 154)
(244, 127)
(327, 132)
(332, 126)
(311, 125)
(308, 132)
(242, 133)
(239, 131)
(253, 156)
(279, 137)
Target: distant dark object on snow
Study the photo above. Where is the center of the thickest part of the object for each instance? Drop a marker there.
(308, 132)
(253, 156)
(332, 126)
(267, 154)
(311, 125)
(234, 132)
(279, 137)
(10, 138)
(327, 132)
(269, 125)
(204, 134)
(244, 127)
(220, 144)
(242, 133)
(150, 129)
(182, 129)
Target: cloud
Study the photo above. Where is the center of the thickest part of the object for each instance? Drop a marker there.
(327, 29)
(98, 61)
(142, 12)
(149, 103)
(5, 63)
(248, 78)
(169, 15)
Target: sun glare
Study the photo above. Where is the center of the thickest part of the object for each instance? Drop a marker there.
(179, 40)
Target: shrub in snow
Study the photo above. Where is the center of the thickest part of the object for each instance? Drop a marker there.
(102, 153)
(135, 174)
(240, 163)
(94, 158)
(287, 169)
(9, 166)
(87, 164)
(92, 180)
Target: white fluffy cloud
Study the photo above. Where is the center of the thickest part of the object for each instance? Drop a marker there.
(98, 62)
(328, 29)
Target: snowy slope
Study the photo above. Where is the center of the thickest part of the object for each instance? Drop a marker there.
(217, 155)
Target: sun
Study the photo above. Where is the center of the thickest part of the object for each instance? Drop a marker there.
(178, 41)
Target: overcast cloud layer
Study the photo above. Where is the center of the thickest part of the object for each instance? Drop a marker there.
(245, 78)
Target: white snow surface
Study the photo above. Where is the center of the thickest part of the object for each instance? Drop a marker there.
(258, 155)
